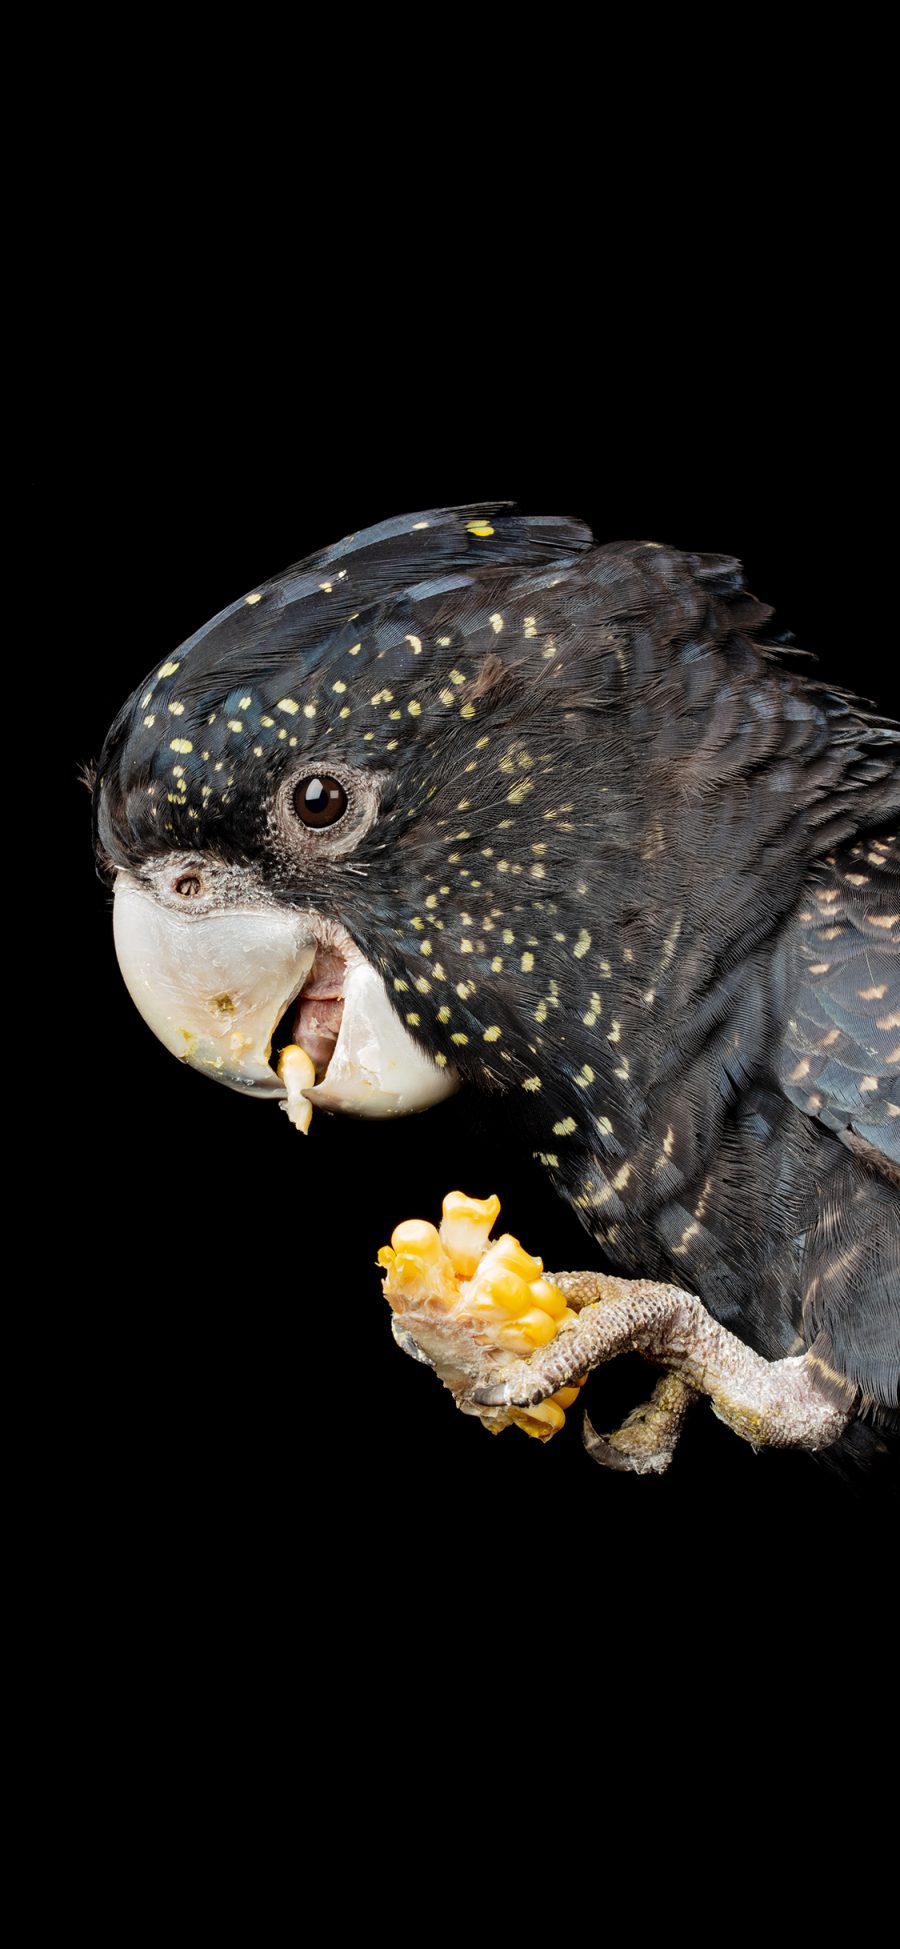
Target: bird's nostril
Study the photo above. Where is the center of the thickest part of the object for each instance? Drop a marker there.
(188, 885)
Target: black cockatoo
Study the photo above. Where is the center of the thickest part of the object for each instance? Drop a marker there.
(469, 798)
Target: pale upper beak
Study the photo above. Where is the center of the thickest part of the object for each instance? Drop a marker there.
(214, 987)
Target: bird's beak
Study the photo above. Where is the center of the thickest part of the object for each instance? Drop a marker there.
(215, 987)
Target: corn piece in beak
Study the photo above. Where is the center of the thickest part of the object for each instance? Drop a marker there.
(298, 1073)
(465, 1229)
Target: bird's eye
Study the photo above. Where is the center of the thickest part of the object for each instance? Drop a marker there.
(188, 886)
(320, 801)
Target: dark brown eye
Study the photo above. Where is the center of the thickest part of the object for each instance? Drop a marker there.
(320, 801)
(188, 885)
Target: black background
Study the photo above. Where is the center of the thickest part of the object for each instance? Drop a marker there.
(242, 1407)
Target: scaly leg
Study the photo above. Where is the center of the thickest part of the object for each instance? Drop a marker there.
(777, 1403)
(649, 1436)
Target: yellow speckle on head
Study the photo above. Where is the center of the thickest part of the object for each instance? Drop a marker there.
(181, 744)
(443, 1014)
(414, 707)
(256, 597)
(414, 1019)
(585, 1078)
(150, 721)
(441, 1060)
(168, 669)
(480, 528)
(415, 643)
(459, 1035)
(326, 586)
(447, 697)
(235, 724)
(527, 962)
(355, 650)
(257, 751)
(497, 964)
(615, 1032)
(492, 1034)
(177, 710)
(468, 710)
(309, 710)
(419, 524)
(621, 1178)
(400, 985)
(423, 984)
(603, 1123)
(582, 944)
(287, 704)
(531, 1083)
(536, 872)
(345, 712)
(868, 1084)
(244, 703)
(565, 1128)
(496, 623)
(465, 947)
(268, 722)
(339, 687)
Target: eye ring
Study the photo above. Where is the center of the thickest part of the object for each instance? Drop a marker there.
(319, 800)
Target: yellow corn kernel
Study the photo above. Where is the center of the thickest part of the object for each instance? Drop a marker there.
(418, 1236)
(531, 1329)
(499, 1288)
(418, 1262)
(549, 1298)
(508, 1253)
(546, 1416)
(565, 1397)
(298, 1073)
(465, 1229)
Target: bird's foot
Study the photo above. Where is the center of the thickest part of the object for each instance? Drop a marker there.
(778, 1403)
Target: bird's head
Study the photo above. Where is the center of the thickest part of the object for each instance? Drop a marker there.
(454, 801)
(350, 813)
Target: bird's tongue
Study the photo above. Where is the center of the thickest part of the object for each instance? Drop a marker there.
(317, 1018)
(316, 1025)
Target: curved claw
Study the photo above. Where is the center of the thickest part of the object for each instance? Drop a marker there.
(601, 1448)
(648, 1437)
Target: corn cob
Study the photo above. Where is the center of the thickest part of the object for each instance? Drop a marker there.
(462, 1295)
